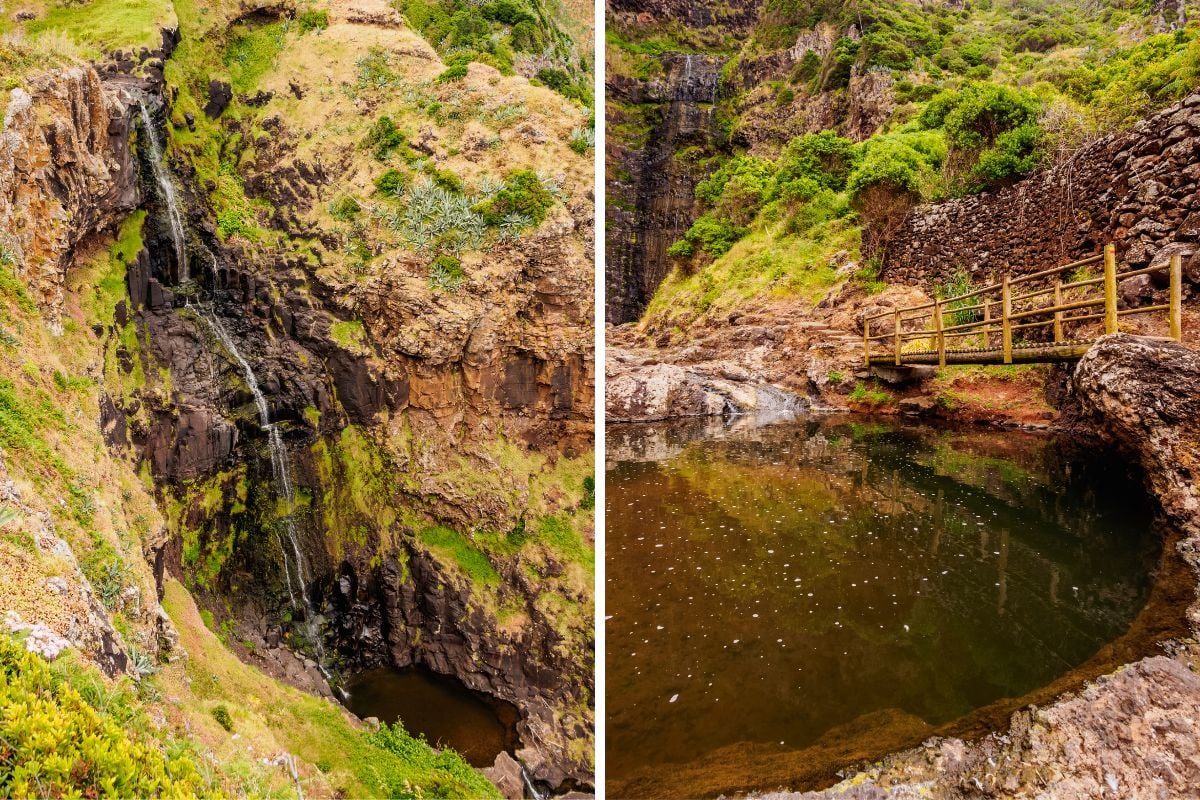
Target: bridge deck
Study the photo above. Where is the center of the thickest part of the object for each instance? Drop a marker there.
(1029, 354)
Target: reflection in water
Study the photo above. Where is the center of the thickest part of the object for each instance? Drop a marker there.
(768, 585)
(447, 713)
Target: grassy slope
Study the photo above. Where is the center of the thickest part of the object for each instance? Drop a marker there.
(91, 29)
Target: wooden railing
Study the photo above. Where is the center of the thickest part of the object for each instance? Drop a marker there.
(1000, 324)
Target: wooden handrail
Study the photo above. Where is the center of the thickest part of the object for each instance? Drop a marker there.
(931, 316)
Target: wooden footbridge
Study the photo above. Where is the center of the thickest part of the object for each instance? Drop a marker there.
(1034, 318)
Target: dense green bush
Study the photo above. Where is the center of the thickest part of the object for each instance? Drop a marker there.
(312, 20)
(710, 234)
(456, 68)
(384, 137)
(900, 163)
(738, 188)
(223, 718)
(392, 182)
(976, 114)
(54, 743)
(824, 159)
(523, 194)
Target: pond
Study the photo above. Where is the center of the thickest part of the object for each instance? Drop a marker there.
(444, 710)
(785, 600)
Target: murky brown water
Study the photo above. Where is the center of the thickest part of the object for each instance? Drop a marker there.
(447, 713)
(785, 599)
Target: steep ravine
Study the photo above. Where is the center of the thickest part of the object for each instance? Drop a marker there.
(438, 445)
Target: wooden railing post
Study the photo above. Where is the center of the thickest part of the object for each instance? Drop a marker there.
(897, 337)
(1005, 322)
(987, 329)
(1110, 288)
(1058, 315)
(867, 342)
(1175, 311)
(941, 336)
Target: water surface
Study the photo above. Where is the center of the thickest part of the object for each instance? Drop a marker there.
(447, 713)
(783, 599)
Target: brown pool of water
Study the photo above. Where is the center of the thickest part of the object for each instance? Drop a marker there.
(440, 708)
(786, 602)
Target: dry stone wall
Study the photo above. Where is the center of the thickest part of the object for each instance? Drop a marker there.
(1139, 189)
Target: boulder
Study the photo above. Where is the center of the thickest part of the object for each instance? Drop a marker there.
(506, 774)
(1144, 396)
(220, 94)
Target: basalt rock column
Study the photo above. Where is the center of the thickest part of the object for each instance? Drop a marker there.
(652, 189)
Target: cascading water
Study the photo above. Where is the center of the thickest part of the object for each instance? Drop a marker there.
(167, 188)
(295, 572)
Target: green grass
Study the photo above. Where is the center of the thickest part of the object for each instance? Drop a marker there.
(768, 262)
(452, 545)
(252, 52)
(390, 763)
(100, 26)
(99, 298)
(558, 533)
(873, 396)
(350, 335)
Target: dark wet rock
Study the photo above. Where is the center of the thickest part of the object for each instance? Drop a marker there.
(220, 94)
(1144, 395)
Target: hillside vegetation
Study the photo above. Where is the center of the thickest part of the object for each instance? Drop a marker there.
(973, 98)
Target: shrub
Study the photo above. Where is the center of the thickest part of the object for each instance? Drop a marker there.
(312, 20)
(446, 273)
(975, 115)
(583, 140)
(523, 194)
(1016, 153)
(556, 79)
(344, 208)
(806, 68)
(383, 138)
(681, 249)
(221, 715)
(712, 235)
(811, 161)
(508, 12)
(57, 744)
(841, 61)
(392, 182)
(456, 69)
(738, 188)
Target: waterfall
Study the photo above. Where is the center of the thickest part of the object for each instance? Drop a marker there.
(166, 188)
(295, 569)
(281, 473)
(533, 793)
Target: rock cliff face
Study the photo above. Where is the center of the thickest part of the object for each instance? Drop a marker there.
(1138, 189)
(63, 180)
(651, 183)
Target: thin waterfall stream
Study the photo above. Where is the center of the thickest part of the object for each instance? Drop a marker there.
(296, 573)
(167, 188)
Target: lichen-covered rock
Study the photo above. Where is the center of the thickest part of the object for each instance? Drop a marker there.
(65, 172)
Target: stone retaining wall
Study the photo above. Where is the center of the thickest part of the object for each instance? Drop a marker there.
(1139, 188)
